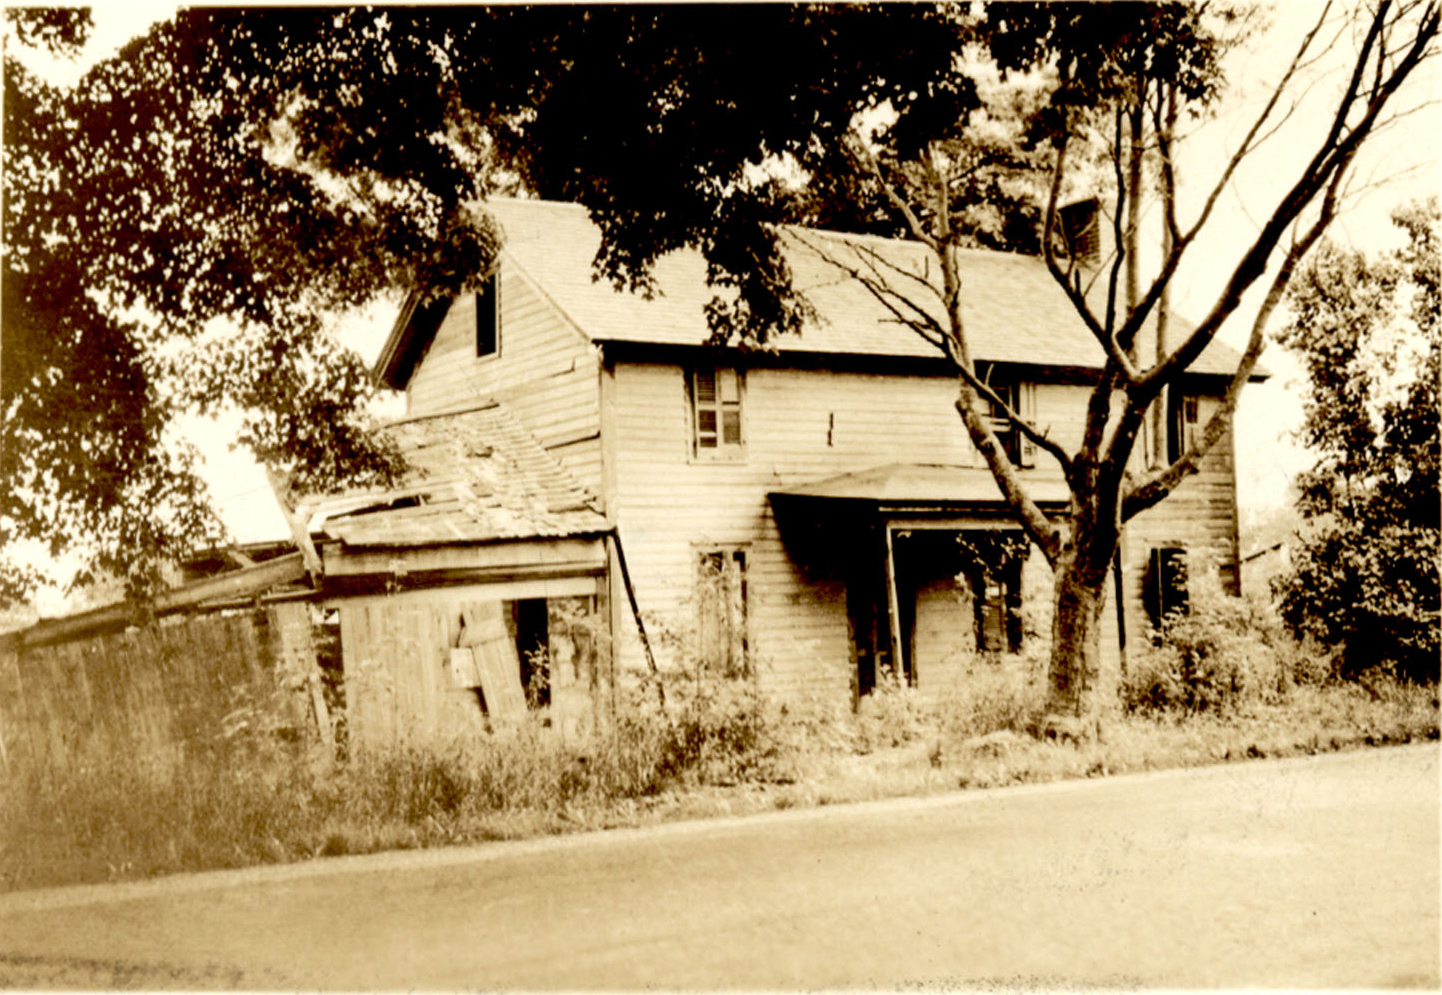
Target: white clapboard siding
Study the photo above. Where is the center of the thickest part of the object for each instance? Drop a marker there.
(545, 373)
(801, 426)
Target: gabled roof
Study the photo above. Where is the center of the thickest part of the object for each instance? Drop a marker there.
(1013, 309)
(476, 476)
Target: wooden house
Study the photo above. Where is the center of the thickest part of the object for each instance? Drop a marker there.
(812, 515)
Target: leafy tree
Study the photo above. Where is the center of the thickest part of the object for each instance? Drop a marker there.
(264, 165)
(1369, 331)
(176, 226)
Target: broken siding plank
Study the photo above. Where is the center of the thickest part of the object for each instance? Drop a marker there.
(236, 584)
(464, 716)
(497, 663)
(585, 552)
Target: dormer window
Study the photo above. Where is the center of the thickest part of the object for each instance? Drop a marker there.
(716, 426)
(488, 318)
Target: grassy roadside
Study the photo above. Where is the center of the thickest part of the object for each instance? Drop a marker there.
(252, 799)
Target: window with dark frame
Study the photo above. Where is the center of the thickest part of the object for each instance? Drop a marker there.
(1002, 425)
(1165, 588)
(488, 318)
(1183, 417)
(716, 426)
(1020, 397)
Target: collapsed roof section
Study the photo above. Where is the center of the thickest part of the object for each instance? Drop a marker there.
(475, 476)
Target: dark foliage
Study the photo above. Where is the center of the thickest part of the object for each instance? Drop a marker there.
(1365, 567)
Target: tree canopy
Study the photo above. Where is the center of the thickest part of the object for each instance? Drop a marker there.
(266, 166)
(1369, 333)
(178, 225)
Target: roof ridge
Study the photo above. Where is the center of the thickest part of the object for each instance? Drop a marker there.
(571, 207)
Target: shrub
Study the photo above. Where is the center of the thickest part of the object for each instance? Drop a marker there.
(1224, 652)
(891, 715)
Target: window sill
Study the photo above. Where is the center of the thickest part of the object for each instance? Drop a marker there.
(722, 458)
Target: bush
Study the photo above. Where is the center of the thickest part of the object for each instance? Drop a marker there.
(891, 715)
(1222, 654)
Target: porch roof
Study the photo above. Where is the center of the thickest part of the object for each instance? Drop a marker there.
(923, 486)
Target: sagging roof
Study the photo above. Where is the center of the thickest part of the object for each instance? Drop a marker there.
(476, 476)
(920, 485)
(1013, 309)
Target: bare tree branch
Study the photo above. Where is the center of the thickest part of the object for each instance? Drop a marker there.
(913, 223)
(1157, 486)
(1142, 310)
(1074, 293)
(1329, 162)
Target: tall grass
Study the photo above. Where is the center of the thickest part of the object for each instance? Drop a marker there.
(1215, 688)
(252, 797)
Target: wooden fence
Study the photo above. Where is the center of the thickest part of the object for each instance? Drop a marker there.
(158, 689)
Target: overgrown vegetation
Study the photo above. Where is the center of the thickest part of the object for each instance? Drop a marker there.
(1364, 580)
(1223, 683)
(1222, 655)
(251, 797)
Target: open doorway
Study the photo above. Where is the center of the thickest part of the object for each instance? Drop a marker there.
(948, 594)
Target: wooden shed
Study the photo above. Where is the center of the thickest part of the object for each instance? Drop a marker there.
(469, 593)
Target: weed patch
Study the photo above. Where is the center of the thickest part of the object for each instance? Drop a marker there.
(252, 797)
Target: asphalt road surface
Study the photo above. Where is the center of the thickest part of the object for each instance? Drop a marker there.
(1308, 873)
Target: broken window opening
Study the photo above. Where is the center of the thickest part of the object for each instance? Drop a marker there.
(530, 622)
(722, 644)
(1165, 588)
(502, 653)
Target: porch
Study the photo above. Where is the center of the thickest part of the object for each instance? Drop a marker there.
(937, 573)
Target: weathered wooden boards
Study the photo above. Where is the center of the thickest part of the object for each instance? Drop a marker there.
(152, 691)
(425, 669)
(293, 649)
(497, 667)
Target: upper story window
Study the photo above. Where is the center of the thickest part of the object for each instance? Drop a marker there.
(1021, 398)
(1183, 419)
(717, 430)
(488, 318)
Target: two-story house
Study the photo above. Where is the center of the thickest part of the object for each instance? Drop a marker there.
(813, 514)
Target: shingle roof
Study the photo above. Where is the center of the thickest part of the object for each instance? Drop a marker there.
(1013, 309)
(476, 476)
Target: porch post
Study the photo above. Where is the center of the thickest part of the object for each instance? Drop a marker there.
(893, 608)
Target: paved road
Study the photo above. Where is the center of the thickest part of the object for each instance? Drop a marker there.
(1312, 873)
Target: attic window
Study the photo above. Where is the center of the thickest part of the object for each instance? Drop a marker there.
(1081, 231)
(716, 427)
(488, 318)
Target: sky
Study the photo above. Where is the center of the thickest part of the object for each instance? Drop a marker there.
(1396, 166)
(1400, 165)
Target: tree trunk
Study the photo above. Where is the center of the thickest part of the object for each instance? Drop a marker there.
(1081, 687)
(1077, 689)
